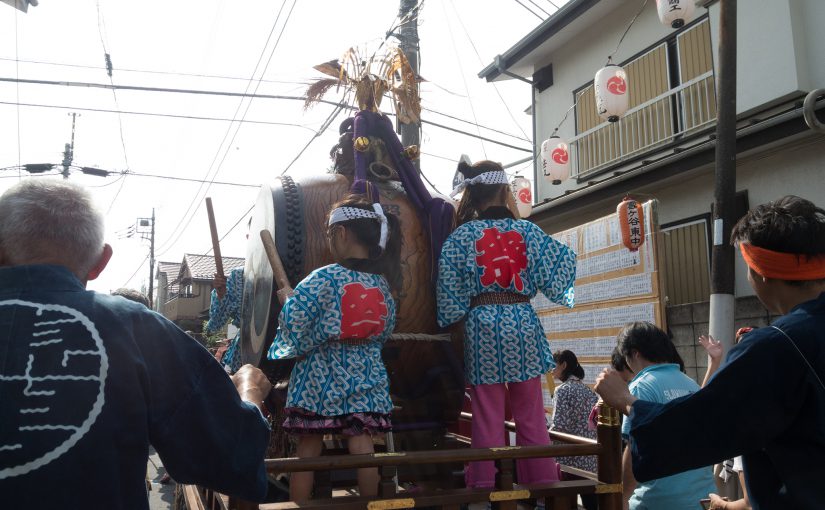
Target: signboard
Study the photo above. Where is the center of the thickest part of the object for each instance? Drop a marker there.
(613, 286)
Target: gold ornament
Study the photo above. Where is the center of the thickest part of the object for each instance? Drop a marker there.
(411, 152)
(362, 143)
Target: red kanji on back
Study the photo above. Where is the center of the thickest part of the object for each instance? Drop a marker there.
(363, 311)
(502, 255)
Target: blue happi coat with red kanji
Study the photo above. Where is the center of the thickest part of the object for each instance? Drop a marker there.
(503, 342)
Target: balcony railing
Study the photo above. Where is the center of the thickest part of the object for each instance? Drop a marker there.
(661, 120)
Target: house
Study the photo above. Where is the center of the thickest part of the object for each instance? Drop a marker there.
(190, 307)
(167, 283)
(664, 146)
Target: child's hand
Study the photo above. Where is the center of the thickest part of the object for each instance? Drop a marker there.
(219, 284)
(712, 346)
(284, 294)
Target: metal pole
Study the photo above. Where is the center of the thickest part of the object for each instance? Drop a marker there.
(68, 151)
(722, 304)
(408, 36)
(152, 261)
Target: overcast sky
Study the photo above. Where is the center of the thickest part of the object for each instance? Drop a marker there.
(175, 40)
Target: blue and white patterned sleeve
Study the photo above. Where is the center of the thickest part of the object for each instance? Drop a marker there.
(227, 309)
(297, 333)
(554, 267)
(452, 291)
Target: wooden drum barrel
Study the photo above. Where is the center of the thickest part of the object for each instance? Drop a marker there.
(426, 379)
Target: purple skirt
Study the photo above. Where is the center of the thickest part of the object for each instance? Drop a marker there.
(300, 421)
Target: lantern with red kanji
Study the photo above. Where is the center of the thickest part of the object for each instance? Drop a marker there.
(674, 12)
(631, 223)
(523, 196)
(610, 86)
(555, 160)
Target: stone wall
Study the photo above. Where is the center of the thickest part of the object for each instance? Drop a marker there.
(687, 322)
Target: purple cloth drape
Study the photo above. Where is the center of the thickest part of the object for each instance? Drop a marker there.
(435, 213)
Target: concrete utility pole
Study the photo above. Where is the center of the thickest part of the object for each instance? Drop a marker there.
(68, 150)
(408, 37)
(722, 303)
(152, 262)
(142, 224)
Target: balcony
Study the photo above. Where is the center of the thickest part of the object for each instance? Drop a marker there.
(679, 112)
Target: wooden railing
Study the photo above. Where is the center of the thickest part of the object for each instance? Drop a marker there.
(504, 496)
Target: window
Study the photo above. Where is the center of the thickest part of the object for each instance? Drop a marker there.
(662, 105)
(686, 261)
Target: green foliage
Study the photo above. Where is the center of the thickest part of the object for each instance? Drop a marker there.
(213, 339)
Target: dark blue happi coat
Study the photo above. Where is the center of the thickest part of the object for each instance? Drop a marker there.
(764, 403)
(88, 381)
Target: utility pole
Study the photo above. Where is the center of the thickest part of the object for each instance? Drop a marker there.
(152, 262)
(408, 37)
(722, 303)
(68, 150)
(142, 224)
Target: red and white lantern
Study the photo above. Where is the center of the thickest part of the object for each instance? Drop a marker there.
(631, 223)
(523, 195)
(610, 86)
(555, 160)
(675, 12)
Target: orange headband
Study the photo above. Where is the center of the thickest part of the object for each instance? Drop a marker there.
(783, 266)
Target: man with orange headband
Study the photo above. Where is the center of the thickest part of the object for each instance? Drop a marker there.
(772, 381)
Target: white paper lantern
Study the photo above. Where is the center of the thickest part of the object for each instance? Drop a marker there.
(675, 12)
(523, 196)
(555, 160)
(610, 86)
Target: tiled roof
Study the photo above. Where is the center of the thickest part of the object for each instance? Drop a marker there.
(170, 268)
(202, 267)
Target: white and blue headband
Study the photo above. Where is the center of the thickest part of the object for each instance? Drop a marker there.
(342, 214)
(493, 177)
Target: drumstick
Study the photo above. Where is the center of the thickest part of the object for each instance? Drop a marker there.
(216, 245)
(275, 261)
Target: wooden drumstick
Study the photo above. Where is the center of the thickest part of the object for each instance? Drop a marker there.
(216, 245)
(278, 271)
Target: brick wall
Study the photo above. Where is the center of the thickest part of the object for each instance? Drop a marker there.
(687, 322)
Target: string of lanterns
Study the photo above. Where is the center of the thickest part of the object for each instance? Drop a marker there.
(610, 87)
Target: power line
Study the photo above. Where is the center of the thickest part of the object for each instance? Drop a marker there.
(495, 87)
(320, 131)
(101, 28)
(237, 129)
(147, 71)
(222, 93)
(539, 7)
(529, 10)
(459, 119)
(185, 179)
(463, 79)
(17, 91)
(154, 114)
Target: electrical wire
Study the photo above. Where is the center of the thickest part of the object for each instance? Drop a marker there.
(553, 4)
(178, 229)
(147, 71)
(459, 119)
(626, 30)
(463, 78)
(17, 92)
(140, 266)
(168, 115)
(317, 134)
(481, 62)
(538, 7)
(529, 10)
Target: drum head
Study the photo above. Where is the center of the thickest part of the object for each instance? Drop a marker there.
(259, 301)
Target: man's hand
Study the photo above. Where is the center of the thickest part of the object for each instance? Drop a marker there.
(252, 385)
(219, 284)
(613, 390)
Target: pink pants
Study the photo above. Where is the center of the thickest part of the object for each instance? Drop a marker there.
(488, 431)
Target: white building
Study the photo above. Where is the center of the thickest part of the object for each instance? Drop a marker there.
(664, 146)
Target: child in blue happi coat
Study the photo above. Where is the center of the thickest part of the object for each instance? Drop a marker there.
(335, 323)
